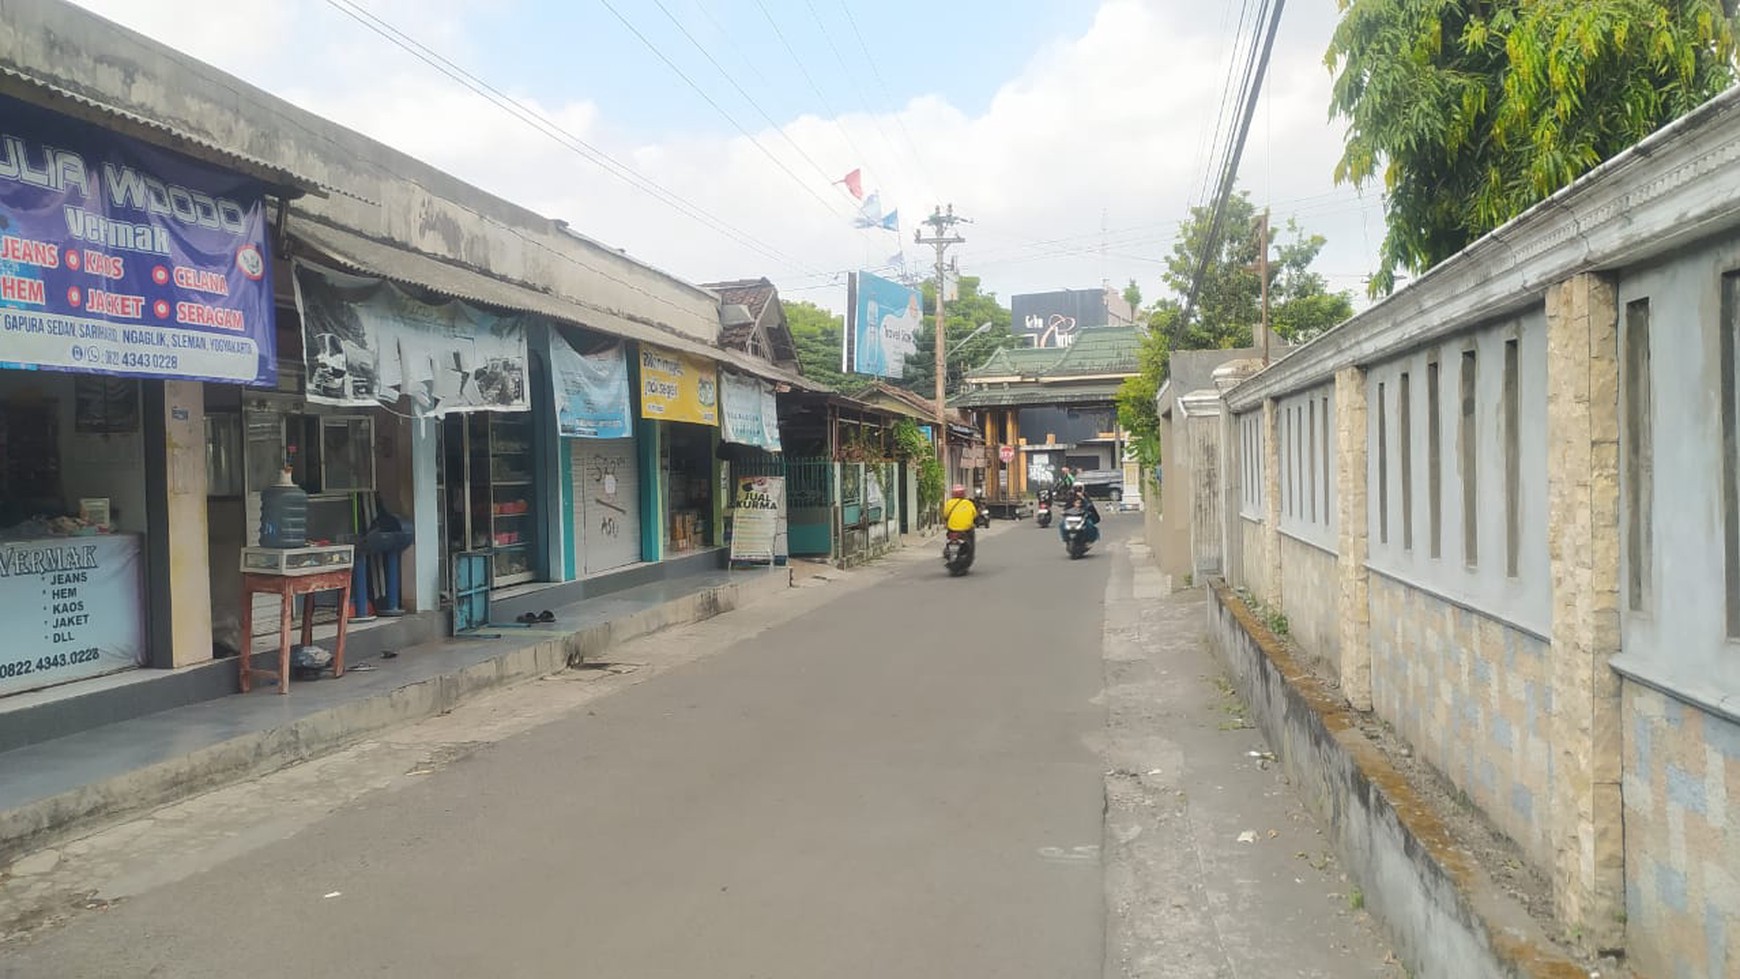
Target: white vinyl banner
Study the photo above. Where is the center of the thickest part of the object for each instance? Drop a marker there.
(73, 608)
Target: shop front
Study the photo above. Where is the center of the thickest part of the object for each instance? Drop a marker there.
(132, 278)
(754, 468)
(595, 418)
(73, 527)
(381, 357)
(679, 396)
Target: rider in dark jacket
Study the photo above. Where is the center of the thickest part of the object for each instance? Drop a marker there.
(1079, 500)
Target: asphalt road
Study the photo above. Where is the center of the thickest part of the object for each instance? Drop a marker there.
(903, 782)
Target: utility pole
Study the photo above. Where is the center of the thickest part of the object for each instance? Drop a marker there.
(1263, 277)
(942, 234)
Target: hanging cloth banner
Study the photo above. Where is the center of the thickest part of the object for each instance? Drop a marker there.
(591, 391)
(126, 259)
(750, 416)
(770, 417)
(676, 387)
(367, 342)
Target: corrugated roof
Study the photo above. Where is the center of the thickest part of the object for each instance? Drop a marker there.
(392, 261)
(29, 88)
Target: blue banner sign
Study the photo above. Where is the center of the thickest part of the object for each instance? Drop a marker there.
(591, 391)
(117, 257)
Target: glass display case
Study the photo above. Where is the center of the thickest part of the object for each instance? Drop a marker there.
(511, 517)
(488, 499)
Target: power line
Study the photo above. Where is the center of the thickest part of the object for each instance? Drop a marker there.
(826, 106)
(746, 96)
(852, 77)
(899, 120)
(1230, 172)
(556, 132)
(1222, 115)
(672, 65)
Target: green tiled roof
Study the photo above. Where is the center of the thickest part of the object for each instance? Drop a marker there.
(1103, 350)
(1111, 350)
(1018, 362)
(1099, 392)
(1046, 374)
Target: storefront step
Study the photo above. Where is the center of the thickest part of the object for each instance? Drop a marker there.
(58, 712)
(54, 789)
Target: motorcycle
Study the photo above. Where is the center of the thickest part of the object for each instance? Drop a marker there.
(1075, 532)
(982, 513)
(1042, 511)
(958, 553)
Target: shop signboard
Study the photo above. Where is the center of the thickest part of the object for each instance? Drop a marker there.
(882, 328)
(756, 519)
(676, 387)
(121, 258)
(72, 607)
(367, 342)
(749, 414)
(591, 391)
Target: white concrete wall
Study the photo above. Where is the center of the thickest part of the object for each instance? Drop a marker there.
(1522, 599)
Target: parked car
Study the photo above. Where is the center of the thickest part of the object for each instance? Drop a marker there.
(1104, 484)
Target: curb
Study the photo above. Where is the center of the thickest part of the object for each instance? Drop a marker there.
(1445, 914)
(41, 823)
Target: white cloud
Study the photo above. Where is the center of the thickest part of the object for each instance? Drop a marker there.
(1111, 123)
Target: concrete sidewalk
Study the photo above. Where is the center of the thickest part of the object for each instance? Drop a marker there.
(55, 788)
(1214, 865)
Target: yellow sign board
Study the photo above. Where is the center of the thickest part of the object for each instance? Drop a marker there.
(676, 387)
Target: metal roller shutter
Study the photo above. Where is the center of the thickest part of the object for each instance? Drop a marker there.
(606, 503)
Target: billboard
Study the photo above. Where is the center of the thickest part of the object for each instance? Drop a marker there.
(121, 258)
(1053, 319)
(882, 320)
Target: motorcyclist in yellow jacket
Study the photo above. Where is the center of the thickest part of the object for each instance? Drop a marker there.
(961, 516)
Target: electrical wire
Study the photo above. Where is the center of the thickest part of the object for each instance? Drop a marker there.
(672, 65)
(899, 119)
(852, 77)
(557, 133)
(1230, 172)
(740, 91)
(826, 106)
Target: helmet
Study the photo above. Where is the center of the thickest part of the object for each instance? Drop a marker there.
(958, 492)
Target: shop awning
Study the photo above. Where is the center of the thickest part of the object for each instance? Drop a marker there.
(37, 91)
(399, 264)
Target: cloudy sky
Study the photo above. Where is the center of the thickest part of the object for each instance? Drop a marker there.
(1073, 133)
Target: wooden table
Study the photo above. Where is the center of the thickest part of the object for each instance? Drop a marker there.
(287, 587)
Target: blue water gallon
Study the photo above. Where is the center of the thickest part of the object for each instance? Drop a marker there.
(283, 514)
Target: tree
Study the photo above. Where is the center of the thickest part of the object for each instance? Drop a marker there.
(1471, 111)
(964, 315)
(1228, 306)
(817, 335)
(1133, 295)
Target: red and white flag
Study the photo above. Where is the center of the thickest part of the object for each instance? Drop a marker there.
(854, 182)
